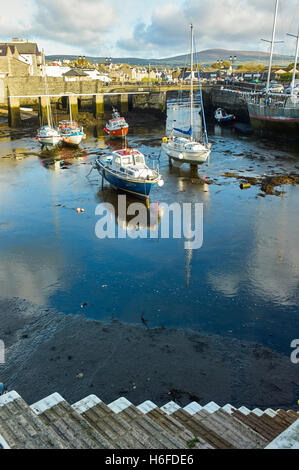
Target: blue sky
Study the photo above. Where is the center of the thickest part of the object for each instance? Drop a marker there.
(148, 29)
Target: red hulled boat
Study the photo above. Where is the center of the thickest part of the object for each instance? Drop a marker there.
(117, 125)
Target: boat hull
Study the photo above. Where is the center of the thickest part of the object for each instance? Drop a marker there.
(185, 156)
(49, 140)
(121, 132)
(72, 140)
(225, 120)
(142, 189)
(279, 121)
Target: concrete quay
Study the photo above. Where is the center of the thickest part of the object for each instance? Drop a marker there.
(31, 91)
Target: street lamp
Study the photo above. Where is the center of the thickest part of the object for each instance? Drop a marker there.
(232, 59)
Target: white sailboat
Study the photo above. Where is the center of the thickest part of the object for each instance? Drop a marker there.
(185, 149)
(48, 134)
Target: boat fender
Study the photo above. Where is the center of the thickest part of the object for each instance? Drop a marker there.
(160, 183)
(181, 156)
(245, 185)
(164, 140)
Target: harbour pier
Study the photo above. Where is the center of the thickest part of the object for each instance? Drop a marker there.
(99, 99)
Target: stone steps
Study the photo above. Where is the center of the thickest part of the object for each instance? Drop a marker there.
(53, 423)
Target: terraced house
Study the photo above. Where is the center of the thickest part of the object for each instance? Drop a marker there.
(20, 58)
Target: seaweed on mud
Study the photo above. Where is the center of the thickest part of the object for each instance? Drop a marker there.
(267, 183)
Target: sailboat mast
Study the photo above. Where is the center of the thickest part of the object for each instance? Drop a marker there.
(191, 84)
(272, 45)
(295, 62)
(70, 105)
(47, 91)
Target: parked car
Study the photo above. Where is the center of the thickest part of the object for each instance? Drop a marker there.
(289, 89)
(274, 88)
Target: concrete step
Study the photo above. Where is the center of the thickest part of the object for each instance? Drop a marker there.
(237, 433)
(20, 428)
(288, 439)
(132, 428)
(90, 423)
(177, 429)
(194, 424)
(113, 427)
(68, 424)
(267, 426)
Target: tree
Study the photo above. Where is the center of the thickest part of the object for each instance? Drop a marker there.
(290, 66)
(80, 62)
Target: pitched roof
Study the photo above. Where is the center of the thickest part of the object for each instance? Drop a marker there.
(22, 47)
(5, 47)
(75, 73)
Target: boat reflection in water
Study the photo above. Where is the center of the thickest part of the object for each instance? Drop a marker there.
(132, 214)
(61, 159)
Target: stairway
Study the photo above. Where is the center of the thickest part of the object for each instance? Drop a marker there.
(52, 423)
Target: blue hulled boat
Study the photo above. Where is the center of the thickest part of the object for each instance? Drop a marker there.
(126, 170)
(222, 117)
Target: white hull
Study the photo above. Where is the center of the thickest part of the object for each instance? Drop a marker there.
(72, 139)
(49, 140)
(186, 156)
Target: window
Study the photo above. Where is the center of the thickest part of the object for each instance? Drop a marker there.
(126, 160)
(139, 159)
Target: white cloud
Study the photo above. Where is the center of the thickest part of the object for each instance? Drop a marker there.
(236, 24)
(77, 23)
(158, 28)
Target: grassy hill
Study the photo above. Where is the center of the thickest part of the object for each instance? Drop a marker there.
(208, 56)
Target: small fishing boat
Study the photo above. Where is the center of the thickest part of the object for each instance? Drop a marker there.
(71, 133)
(126, 170)
(222, 117)
(117, 125)
(48, 135)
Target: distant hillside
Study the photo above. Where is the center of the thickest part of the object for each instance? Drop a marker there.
(208, 56)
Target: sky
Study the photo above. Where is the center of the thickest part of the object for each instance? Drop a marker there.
(147, 29)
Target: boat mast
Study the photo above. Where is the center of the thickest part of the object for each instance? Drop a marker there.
(272, 45)
(47, 91)
(70, 105)
(191, 84)
(295, 61)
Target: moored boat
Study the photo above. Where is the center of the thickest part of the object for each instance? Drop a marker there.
(276, 112)
(185, 149)
(117, 126)
(222, 117)
(71, 133)
(48, 135)
(126, 170)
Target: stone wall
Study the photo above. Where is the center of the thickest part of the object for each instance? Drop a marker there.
(35, 85)
(231, 100)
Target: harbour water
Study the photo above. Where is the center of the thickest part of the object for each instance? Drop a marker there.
(243, 281)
